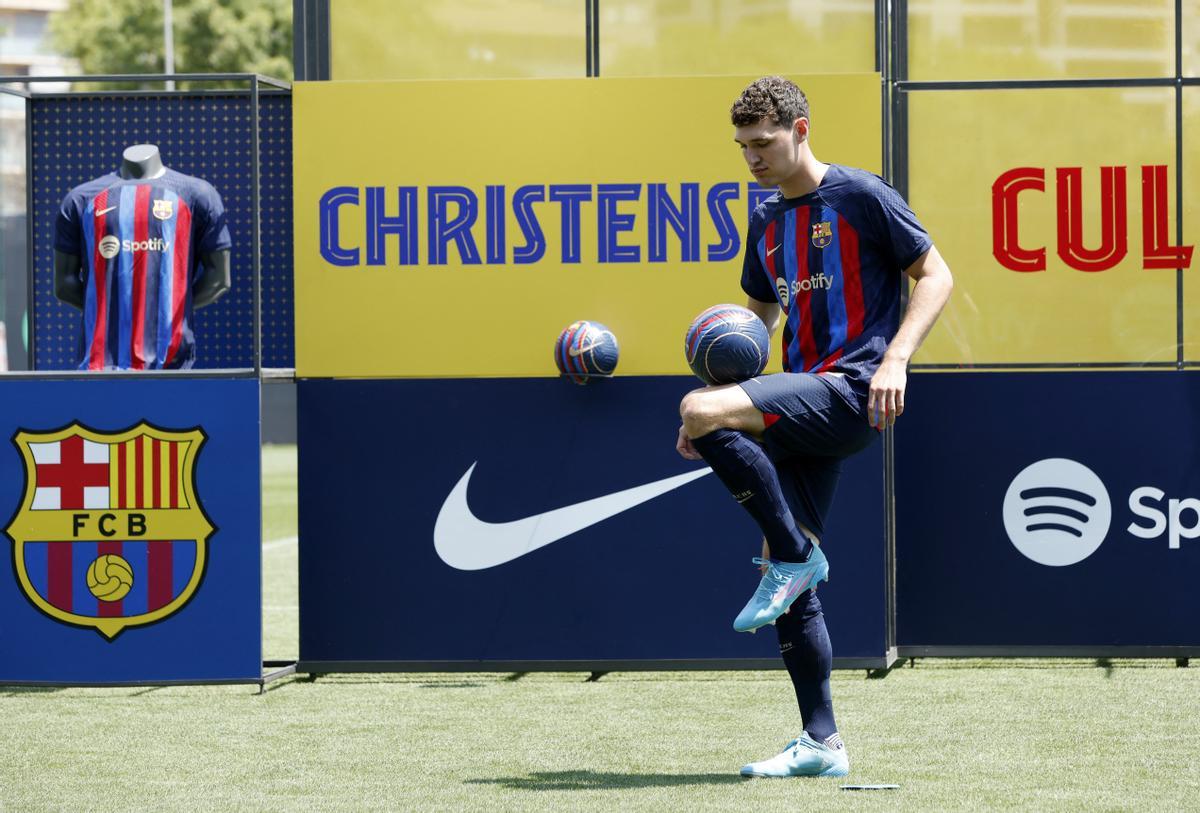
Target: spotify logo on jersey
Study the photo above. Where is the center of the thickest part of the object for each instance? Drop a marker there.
(1057, 512)
(109, 247)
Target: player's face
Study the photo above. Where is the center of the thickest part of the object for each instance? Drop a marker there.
(772, 152)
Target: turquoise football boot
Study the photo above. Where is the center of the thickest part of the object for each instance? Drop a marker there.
(803, 756)
(780, 585)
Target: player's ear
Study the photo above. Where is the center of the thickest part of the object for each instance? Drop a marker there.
(800, 128)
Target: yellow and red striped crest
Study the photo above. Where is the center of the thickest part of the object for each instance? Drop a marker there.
(822, 233)
(110, 533)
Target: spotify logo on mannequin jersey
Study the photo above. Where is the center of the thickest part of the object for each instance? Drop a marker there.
(1057, 512)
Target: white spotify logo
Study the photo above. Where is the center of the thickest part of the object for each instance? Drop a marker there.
(1057, 512)
(110, 246)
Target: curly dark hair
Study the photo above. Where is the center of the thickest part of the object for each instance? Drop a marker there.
(771, 97)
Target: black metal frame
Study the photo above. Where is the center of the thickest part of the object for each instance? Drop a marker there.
(592, 35)
(318, 667)
(310, 41)
(254, 81)
(1179, 174)
(901, 88)
(891, 61)
(29, 314)
(257, 84)
(1066, 651)
(272, 671)
(1178, 82)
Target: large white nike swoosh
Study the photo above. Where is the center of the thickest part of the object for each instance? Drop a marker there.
(466, 542)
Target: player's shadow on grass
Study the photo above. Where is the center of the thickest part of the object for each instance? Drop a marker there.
(592, 780)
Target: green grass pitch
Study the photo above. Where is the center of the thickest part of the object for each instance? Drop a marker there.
(955, 735)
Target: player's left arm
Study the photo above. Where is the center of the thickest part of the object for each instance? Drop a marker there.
(932, 285)
(767, 311)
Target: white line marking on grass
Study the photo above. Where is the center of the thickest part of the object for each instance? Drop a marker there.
(280, 543)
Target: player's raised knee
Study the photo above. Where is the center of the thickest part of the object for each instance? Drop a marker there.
(701, 412)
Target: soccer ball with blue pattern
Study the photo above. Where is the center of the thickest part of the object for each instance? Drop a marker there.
(727, 344)
(585, 351)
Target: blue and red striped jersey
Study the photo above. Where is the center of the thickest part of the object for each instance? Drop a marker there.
(833, 259)
(140, 241)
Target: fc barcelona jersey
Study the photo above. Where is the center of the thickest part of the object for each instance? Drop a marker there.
(140, 240)
(833, 259)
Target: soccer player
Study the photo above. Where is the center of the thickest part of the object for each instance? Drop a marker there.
(827, 250)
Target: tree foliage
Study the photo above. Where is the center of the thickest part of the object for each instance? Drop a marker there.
(211, 36)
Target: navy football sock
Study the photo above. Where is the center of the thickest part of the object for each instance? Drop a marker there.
(808, 655)
(750, 476)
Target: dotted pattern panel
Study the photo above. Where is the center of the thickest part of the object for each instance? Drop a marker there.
(275, 196)
(82, 137)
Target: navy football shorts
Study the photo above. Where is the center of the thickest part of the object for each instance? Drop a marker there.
(811, 429)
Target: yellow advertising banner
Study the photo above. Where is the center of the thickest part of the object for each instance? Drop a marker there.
(1056, 211)
(454, 229)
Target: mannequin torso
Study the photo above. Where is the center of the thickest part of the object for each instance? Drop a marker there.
(141, 164)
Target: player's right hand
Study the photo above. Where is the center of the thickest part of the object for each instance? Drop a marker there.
(685, 448)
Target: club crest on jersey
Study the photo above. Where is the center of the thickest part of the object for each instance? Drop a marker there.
(110, 532)
(163, 209)
(822, 234)
(781, 287)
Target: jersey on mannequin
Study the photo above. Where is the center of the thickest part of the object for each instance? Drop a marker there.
(137, 251)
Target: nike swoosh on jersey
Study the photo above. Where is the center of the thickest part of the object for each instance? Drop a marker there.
(771, 251)
(105, 211)
(466, 542)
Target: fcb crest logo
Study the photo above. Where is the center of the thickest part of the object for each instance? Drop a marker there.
(163, 209)
(822, 233)
(110, 532)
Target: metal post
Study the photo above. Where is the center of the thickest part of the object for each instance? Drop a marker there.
(30, 271)
(255, 226)
(311, 42)
(1179, 335)
(587, 37)
(168, 43)
(595, 37)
